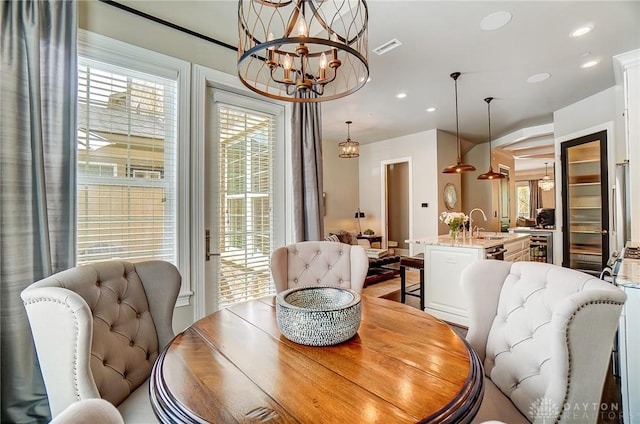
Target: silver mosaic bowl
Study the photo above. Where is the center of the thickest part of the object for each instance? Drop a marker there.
(318, 316)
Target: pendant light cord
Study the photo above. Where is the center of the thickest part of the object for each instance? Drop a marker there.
(457, 127)
(488, 100)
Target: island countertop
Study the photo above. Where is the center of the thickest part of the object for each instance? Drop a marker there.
(484, 241)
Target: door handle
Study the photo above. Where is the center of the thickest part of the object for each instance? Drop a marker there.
(604, 232)
(207, 245)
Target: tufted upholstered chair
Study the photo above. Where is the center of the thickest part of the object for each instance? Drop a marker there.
(98, 330)
(92, 411)
(545, 335)
(319, 263)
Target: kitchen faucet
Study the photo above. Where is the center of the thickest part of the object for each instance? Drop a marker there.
(471, 221)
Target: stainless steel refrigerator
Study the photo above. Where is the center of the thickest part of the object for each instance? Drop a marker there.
(621, 207)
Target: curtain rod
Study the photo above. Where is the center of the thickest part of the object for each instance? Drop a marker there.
(169, 24)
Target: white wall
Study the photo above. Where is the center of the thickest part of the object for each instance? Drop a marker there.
(627, 66)
(447, 151)
(480, 194)
(421, 149)
(340, 184)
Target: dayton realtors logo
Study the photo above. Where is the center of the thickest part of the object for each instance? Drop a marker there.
(544, 409)
(548, 411)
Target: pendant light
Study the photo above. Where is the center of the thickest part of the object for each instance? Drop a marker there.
(491, 175)
(349, 148)
(459, 167)
(303, 50)
(546, 183)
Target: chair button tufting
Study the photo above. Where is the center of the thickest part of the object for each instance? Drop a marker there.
(295, 280)
(138, 315)
(341, 252)
(318, 281)
(295, 252)
(329, 266)
(131, 343)
(104, 362)
(341, 281)
(306, 266)
(98, 283)
(119, 301)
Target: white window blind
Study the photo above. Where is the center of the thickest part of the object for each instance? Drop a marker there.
(246, 141)
(126, 186)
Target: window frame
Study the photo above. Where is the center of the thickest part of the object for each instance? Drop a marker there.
(104, 49)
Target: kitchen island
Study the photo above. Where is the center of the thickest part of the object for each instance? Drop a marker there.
(445, 258)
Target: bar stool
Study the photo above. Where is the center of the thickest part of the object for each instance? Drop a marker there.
(416, 262)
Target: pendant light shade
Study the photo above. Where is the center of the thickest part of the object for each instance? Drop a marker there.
(459, 167)
(349, 148)
(491, 174)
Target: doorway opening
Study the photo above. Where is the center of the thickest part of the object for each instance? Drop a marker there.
(396, 200)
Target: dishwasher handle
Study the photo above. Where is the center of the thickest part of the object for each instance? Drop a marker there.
(493, 254)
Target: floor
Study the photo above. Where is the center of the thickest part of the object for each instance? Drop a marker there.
(390, 289)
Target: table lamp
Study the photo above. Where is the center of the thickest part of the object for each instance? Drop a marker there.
(359, 214)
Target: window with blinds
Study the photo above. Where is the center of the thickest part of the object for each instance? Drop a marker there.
(246, 146)
(126, 186)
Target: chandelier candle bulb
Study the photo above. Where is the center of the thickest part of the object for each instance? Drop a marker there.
(302, 28)
(323, 66)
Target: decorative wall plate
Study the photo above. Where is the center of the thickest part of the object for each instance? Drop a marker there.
(450, 195)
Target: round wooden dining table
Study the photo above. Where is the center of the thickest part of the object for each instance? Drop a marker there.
(403, 366)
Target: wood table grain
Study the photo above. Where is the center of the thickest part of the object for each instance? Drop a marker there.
(233, 366)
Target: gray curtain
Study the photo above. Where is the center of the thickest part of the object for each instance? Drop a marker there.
(535, 198)
(306, 155)
(37, 178)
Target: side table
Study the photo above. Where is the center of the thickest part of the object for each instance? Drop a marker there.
(372, 239)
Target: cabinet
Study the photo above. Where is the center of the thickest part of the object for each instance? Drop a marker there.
(444, 298)
(629, 346)
(517, 250)
(585, 204)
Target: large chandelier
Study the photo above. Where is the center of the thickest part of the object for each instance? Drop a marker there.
(458, 167)
(546, 183)
(349, 148)
(303, 50)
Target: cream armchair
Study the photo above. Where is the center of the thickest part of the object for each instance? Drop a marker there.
(545, 335)
(319, 263)
(98, 330)
(89, 411)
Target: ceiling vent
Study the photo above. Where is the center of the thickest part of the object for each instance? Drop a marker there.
(388, 46)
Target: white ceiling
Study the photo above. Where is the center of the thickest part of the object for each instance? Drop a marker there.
(441, 37)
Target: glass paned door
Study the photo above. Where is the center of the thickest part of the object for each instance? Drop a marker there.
(585, 203)
(241, 191)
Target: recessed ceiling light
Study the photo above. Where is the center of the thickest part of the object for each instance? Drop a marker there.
(538, 77)
(590, 64)
(401, 95)
(431, 109)
(579, 32)
(495, 21)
